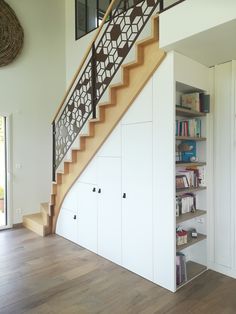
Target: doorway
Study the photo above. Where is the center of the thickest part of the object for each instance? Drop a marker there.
(3, 173)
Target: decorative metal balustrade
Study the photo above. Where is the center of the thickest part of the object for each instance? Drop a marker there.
(121, 32)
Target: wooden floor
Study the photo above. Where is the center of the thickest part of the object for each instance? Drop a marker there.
(53, 275)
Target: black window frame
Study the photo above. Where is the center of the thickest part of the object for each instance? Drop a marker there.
(86, 18)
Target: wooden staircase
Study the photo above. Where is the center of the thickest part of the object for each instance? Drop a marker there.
(39, 222)
(134, 77)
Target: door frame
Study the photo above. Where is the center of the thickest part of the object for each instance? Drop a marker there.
(8, 161)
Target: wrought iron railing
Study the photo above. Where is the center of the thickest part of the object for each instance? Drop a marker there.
(103, 60)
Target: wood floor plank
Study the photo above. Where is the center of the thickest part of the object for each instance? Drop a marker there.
(54, 276)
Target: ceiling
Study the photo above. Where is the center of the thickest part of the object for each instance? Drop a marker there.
(214, 46)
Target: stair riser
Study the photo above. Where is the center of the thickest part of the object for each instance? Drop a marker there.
(29, 224)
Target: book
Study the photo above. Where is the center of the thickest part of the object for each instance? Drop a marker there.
(202, 175)
(185, 204)
(181, 181)
(191, 101)
(204, 103)
(181, 270)
(187, 155)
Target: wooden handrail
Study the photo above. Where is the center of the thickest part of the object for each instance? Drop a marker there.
(85, 58)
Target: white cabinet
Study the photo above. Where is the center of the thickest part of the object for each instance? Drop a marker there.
(89, 175)
(87, 216)
(137, 198)
(224, 233)
(141, 110)
(112, 146)
(112, 198)
(67, 224)
(109, 208)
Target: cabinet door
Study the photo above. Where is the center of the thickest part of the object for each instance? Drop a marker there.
(87, 216)
(67, 225)
(141, 109)
(137, 222)
(112, 145)
(223, 162)
(109, 208)
(89, 175)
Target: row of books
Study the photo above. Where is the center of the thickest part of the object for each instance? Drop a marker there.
(185, 204)
(181, 270)
(193, 177)
(196, 101)
(190, 127)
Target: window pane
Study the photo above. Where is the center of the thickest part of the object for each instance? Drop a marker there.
(91, 15)
(80, 18)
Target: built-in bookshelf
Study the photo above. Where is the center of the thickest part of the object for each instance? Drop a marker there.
(188, 216)
(189, 113)
(193, 270)
(189, 190)
(188, 138)
(191, 187)
(191, 241)
(190, 164)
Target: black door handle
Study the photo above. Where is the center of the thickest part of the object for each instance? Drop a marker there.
(99, 191)
(74, 217)
(124, 195)
(94, 189)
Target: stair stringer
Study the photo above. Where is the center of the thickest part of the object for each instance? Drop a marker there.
(135, 77)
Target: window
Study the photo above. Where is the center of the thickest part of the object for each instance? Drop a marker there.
(89, 15)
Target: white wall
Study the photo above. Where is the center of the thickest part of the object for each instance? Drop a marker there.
(192, 17)
(30, 91)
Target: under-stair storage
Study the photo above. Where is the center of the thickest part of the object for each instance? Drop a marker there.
(223, 230)
(67, 224)
(131, 182)
(116, 210)
(109, 208)
(87, 214)
(137, 192)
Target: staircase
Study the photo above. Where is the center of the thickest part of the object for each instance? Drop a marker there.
(102, 117)
(39, 222)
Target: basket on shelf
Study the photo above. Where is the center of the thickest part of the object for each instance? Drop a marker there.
(181, 237)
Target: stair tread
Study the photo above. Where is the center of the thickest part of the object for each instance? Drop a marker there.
(36, 218)
(45, 206)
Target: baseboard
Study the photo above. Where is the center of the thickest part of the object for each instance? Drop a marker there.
(223, 270)
(18, 226)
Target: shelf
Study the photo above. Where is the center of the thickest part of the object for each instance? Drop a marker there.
(191, 241)
(190, 138)
(190, 164)
(193, 270)
(189, 113)
(189, 190)
(188, 216)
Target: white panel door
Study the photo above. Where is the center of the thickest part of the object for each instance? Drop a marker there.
(109, 208)
(87, 216)
(71, 202)
(137, 220)
(67, 225)
(141, 109)
(89, 175)
(112, 145)
(223, 150)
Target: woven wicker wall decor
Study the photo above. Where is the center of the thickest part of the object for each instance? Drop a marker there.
(11, 34)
